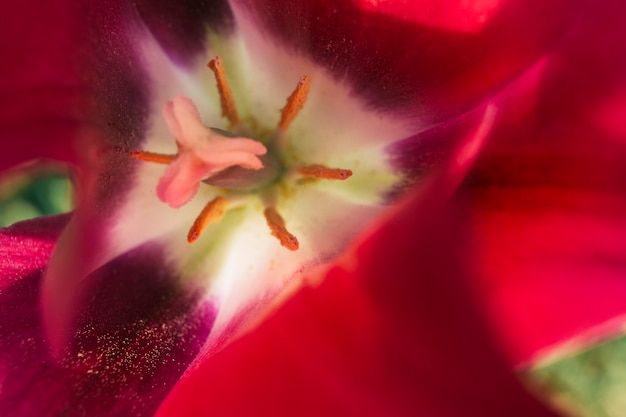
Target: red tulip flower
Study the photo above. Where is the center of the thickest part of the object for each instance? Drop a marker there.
(326, 208)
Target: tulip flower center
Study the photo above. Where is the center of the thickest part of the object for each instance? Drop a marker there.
(239, 162)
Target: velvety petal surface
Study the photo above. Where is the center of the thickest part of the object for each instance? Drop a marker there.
(135, 74)
(122, 227)
(40, 86)
(548, 196)
(401, 58)
(133, 342)
(180, 27)
(390, 329)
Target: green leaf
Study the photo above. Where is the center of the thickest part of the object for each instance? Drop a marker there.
(591, 383)
(27, 195)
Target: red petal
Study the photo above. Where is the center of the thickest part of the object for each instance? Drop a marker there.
(455, 15)
(549, 221)
(403, 62)
(40, 86)
(549, 195)
(389, 331)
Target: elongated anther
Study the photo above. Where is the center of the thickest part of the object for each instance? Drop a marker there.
(322, 172)
(278, 229)
(295, 102)
(211, 213)
(229, 110)
(157, 158)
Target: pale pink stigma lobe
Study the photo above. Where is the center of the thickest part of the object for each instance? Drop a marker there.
(202, 152)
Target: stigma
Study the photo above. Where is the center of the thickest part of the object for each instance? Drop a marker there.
(231, 163)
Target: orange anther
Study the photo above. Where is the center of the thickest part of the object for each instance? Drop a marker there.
(157, 158)
(211, 213)
(295, 102)
(229, 110)
(322, 172)
(278, 229)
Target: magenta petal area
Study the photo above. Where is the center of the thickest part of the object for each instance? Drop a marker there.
(137, 335)
(390, 330)
(408, 67)
(40, 87)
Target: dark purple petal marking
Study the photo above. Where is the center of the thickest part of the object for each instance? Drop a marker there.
(180, 26)
(416, 156)
(119, 100)
(401, 66)
(137, 336)
(120, 88)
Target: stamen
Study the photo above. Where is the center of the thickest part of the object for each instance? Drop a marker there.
(229, 110)
(211, 213)
(295, 102)
(322, 172)
(152, 157)
(278, 229)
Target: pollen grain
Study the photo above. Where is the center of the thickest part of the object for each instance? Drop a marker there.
(278, 229)
(212, 212)
(229, 110)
